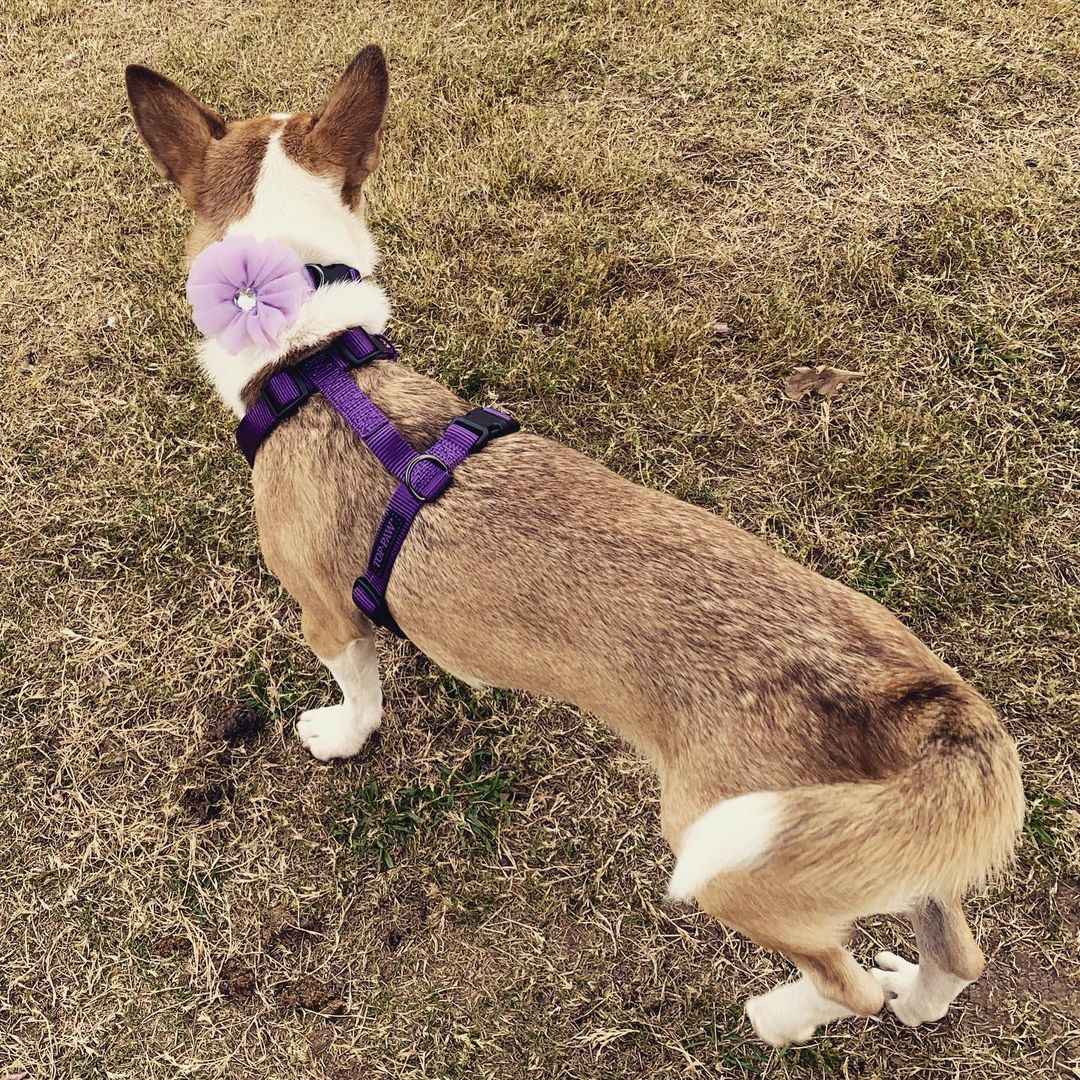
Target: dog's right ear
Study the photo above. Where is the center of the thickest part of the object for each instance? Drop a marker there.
(176, 127)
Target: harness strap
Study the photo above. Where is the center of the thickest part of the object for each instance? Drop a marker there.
(369, 422)
(422, 476)
(286, 390)
(425, 478)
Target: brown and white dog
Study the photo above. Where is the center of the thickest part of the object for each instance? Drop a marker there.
(818, 763)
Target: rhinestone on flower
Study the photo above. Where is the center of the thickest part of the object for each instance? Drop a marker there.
(245, 299)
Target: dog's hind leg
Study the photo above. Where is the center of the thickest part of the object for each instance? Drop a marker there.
(760, 903)
(347, 647)
(949, 960)
(830, 987)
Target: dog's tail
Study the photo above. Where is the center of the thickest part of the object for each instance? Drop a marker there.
(935, 828)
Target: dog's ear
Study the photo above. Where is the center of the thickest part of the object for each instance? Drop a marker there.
(347, 132)
(176, 127)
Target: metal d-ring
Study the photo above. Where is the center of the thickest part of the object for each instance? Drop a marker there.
(412, 465)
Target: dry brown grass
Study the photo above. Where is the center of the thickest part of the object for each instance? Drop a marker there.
(572, 193)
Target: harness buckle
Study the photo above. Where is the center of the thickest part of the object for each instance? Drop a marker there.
(282, 399)
(382, 349)
(373, 604)
(331, 273)
(487, 424)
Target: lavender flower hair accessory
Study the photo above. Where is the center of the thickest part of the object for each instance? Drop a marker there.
(246, 291)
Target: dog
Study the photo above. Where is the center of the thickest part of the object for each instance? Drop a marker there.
(818, 763)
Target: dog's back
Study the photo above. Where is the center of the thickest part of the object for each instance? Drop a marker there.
(869, 776)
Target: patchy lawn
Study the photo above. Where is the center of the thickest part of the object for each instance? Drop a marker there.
(573, 193)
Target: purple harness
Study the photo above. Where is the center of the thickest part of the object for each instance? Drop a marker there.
(422, 477)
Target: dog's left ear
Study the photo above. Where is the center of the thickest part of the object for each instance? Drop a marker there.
(347, 133)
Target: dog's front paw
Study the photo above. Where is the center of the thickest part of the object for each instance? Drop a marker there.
(335, 731)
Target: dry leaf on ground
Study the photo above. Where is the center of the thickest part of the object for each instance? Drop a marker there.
(822, 381)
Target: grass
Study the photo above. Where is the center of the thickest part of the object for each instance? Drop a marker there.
(572, 194)
(377, 823)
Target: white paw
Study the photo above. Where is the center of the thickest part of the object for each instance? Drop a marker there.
(334, 731)
(776, 1021)
(899, 978)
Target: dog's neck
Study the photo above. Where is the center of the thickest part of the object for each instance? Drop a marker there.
(329, 311)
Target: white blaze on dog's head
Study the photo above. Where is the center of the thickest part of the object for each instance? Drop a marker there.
(309, 193)
(294, 178)
(304, 211)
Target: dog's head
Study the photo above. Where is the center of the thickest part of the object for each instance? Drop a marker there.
(295, 178)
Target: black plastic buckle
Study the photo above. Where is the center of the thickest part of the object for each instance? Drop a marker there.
(330, 273)
(383, 349)
(487, 424)
(282, 407)
(379, 612)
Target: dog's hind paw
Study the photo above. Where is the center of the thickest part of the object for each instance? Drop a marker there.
(774, 1025)
(904, 993)
(792, 1012)
(334, 731)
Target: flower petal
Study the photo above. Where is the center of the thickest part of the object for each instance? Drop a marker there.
(265, 324)
(235, 336)
(212, 292)
(213, 320)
